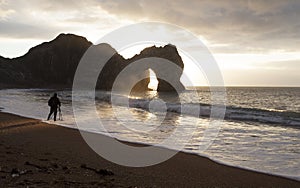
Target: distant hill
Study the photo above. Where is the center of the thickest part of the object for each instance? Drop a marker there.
(53, 65)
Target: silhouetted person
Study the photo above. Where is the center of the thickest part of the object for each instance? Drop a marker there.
(54, 103)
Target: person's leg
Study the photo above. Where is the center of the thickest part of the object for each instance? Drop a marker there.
(55, 113)
(50, 113)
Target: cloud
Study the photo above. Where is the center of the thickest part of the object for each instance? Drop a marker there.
(271, 73)
(230, 26)
(43, 19)
(4, 10)
(241, 24)
(57, 6)
(20, 21)
(261, 77)
(291, 65)
(22, 30)
(129, 8)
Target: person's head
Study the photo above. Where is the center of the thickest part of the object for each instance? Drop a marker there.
(55, 95)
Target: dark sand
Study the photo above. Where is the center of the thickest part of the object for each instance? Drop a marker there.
(37, 154)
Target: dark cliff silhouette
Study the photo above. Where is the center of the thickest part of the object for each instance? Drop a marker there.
(54, 63)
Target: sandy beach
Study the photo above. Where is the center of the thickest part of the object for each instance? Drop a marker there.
(37, 154)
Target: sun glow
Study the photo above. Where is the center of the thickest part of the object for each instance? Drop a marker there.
(153, 81)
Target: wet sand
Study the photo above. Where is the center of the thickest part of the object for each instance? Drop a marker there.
(37, 154)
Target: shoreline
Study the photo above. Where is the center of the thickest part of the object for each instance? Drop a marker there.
(183, 169)
(294, 178)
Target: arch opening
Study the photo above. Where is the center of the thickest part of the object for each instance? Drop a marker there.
(153, 84)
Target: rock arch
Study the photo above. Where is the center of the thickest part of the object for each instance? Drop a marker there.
(168, 52)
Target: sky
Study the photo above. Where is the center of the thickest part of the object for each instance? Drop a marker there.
(255, 43)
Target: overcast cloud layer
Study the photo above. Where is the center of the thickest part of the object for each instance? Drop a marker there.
(237, 24)
(228, 25)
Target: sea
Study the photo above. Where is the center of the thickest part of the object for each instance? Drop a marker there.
(260, 130)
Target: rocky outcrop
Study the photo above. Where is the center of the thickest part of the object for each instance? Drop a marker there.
(50, 64)
(12, 73)
(170, 73)
(54, 63)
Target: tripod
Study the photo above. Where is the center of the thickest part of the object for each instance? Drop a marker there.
(60, 117)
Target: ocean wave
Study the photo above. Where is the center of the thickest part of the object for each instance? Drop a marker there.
(270, 116)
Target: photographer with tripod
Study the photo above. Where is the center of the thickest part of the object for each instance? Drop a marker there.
(54, 103)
